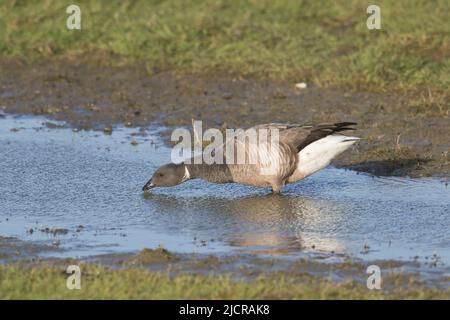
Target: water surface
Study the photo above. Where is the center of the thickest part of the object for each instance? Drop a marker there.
(54, 177)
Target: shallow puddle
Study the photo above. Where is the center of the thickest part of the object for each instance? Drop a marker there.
(90, 184)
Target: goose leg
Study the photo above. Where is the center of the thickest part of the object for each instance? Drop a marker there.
(276, 187)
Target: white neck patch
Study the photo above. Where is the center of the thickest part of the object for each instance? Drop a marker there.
(187, 175)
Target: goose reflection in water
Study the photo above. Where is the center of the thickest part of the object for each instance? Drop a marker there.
(264, 224)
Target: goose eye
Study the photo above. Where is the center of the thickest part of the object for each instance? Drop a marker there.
(160, 174)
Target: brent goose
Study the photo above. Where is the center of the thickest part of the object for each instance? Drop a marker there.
(299, 152)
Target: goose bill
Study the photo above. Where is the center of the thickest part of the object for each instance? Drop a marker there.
(148, 186)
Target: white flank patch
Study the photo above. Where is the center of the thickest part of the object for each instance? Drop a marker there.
(319, 154)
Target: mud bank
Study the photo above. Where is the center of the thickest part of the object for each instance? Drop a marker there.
(241, 268)
(405, 135)
(13, 250)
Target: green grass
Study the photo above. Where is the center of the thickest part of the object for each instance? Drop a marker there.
(49, 282)
(321, 43)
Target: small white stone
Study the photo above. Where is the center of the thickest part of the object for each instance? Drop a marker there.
(301, 85)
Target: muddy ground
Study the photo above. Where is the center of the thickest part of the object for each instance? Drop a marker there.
(243, 267)
(403, 136)
(13, 249)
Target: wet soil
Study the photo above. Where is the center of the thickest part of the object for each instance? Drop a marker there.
(244, 267)
(402, 137)
(13, 249)
(250, 267)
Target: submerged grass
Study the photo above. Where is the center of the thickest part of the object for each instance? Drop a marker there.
(321, 43)
(97, 282)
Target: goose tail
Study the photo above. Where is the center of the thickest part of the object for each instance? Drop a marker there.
(320, 153)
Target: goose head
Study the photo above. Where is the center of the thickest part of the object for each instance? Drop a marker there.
(168, 175)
